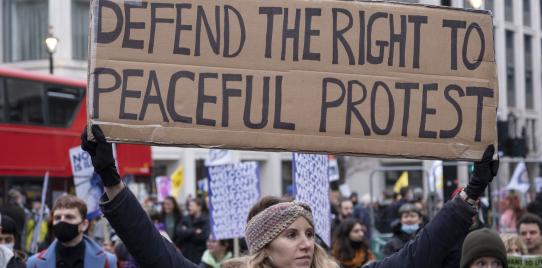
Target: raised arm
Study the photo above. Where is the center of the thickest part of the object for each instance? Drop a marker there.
(450, 226)
(126, 215)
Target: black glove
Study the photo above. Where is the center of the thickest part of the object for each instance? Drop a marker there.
(484, 171)
(101, 153)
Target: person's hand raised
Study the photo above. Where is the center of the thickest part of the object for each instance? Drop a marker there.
(101, 153)
(484, 172)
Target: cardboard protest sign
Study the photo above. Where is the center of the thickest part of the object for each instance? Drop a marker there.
(311, 185)
(233, 189)
(524, 261)
(345, 77)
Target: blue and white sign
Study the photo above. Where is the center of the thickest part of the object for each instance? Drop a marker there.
(219, 157)
(80, 162)
(311, 185)
(233, 189)
(88, 185)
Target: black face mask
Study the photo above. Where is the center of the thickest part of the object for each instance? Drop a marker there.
(65, 232)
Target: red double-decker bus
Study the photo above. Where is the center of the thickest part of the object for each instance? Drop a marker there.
(41, 118)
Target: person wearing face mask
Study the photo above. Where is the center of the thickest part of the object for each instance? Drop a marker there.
(350, 246)
(71, 249)
(410, 220)
(10, 254)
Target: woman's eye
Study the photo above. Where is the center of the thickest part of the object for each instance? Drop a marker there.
(310, 234)
(291, 235)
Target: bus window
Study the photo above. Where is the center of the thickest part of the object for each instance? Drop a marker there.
(62, 103)
(25, 102)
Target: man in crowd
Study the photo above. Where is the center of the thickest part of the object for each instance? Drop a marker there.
(14, 208)
(72, 248)
(346, 210)
(529, 229)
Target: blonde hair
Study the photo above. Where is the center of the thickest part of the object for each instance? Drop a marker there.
(514, 239)
(261, 260)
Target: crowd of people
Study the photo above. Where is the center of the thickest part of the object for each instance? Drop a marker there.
(280, 232)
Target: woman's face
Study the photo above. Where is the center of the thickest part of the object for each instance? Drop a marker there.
(514, 250)
(168, 206)
(357, 233)
(294, 247)
(194, 208)
(214, 246)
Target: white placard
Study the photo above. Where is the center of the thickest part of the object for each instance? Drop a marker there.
(233, 190)
(219, 157)
(80, 162)
(311, 185)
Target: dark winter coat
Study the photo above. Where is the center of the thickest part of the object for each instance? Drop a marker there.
(535, 207)
(189, 240)
(398, 240)
(138, 233)
(431, 247)
(436, 242)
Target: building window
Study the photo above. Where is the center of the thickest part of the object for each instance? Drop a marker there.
(508, 10)
(510, 72)
(80, 18)
(527, 12)
(529, 98)
(490, 5)
(531, 135)
(25, 24)
(405, 1)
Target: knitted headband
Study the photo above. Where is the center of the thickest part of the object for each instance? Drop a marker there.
(268, 224)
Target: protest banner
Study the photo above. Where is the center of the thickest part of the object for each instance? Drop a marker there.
(80, 162)
(311, 185)
(233, 189)
(524, 261)
(163, 187)
(88, 184)
(333, 168)
(343, 77)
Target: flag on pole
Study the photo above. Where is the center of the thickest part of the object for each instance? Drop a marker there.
(177, 179)
(401, 182)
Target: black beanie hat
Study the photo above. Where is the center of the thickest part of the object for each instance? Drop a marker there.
(483, 243)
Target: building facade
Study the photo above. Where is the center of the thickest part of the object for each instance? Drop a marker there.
(518, 47)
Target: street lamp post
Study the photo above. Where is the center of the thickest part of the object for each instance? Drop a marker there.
(50, 43)
(476, 3)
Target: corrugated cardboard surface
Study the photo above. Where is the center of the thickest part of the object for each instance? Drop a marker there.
(207, 106)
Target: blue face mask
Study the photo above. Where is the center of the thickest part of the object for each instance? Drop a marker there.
(410, 228)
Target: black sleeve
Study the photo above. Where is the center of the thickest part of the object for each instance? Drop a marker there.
(139, 235)
(435, 242)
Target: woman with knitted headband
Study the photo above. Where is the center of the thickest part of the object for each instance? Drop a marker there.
(281, 234)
